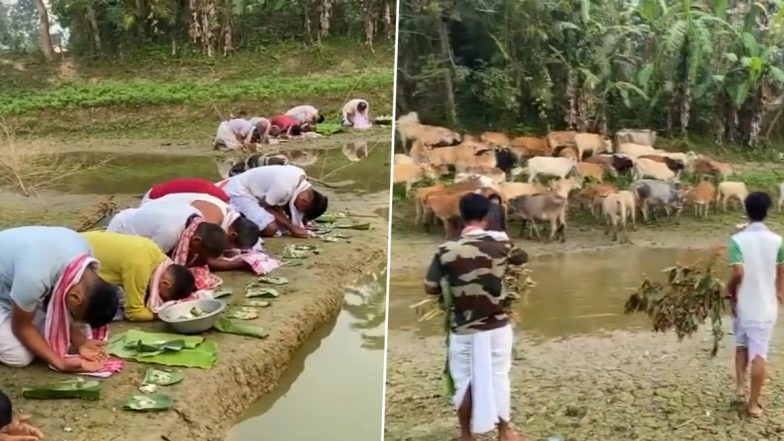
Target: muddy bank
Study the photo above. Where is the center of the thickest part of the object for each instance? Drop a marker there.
(208, 401)
(582, 369)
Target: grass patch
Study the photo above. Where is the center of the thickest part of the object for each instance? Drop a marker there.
(82, 94)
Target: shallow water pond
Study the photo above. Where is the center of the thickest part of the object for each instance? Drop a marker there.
(136, 173)
(576, 293)
(341, 362)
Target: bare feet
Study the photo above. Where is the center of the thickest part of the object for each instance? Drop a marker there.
(740, 393)
(755, 410)
(509, 435)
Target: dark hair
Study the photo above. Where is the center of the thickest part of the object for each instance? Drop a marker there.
(362, 106)
(184, 282)
(474, 207)
(757, 205)
(320, 118)
(213, 238)
(256, 135)
(295, 130)
(6, 410)
(494, 197)
(247, 232)
(102, 303)
(318, 206)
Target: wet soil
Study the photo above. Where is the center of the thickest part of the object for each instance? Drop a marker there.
(207, 402)
(582, 369)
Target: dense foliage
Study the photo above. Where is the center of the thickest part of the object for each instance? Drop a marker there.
(711, 68)
(213, 27)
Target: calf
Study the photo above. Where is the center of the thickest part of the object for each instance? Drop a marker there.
(560, 139)
(446, 206)
(651, 192)
(701, 197)
(648, 168)
(597, 192)
(635, 150)
(614, 213)
(410, 129)
(506, 159)
(630, 202)
(547, 206)
(496, 138)
(635, 136)
(411, 173)
(591, 143)
(731, 190)
(420, 196)
(530, 146)
(558, 167)
(589, 170)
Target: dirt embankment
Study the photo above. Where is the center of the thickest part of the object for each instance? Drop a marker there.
(614, 385)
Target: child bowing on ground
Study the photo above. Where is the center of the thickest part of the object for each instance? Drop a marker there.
(148, 277)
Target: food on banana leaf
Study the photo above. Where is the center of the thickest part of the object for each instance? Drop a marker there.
(149, 388)
(221, 292)
(292, 262)
(161, 377)
(244, 314)
(383, 120)
(228, 326)
(197, 312)
(330, 218)
(273, 280)
(76, 388)
(148, 403)
(154, 348)
(256, 303)
(362, 226)
(254, 291)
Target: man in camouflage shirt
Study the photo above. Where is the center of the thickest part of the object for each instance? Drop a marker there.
(480, 342)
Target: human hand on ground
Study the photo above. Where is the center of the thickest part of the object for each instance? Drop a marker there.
(21, 430)
(300, 232)
(70, 364)
(93, 350)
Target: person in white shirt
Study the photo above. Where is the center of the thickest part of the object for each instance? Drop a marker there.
(755, 289)
(239, 133)
(276, 198)
(306, 114)
(164, 222)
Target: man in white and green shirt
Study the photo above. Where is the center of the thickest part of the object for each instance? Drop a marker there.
(756, 287)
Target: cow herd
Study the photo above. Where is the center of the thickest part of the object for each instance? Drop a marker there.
(612, 179)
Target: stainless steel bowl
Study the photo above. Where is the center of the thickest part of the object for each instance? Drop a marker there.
(172, 313)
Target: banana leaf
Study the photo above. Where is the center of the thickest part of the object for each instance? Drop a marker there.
(203, 356)
(328, 128)
(145, 337)
(162, 378)
(292, 262)
(244, 314)
(221, 292)
(330, 218)
(329, 238)
(273, 280)
(261, 292)
(257, 303)
(78, 388)
(358, 226)
(148, 403)
(233, 327)
(154, 348)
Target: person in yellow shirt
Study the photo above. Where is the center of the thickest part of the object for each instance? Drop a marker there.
(146, 275)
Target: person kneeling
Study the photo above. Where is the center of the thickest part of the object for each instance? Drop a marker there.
(148, 277)
(54, 287)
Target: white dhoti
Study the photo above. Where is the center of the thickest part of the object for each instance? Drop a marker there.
(12, 352)
(225, 138)
(482, 360)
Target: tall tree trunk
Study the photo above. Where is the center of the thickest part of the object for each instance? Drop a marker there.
(325, 18)
(450, 107)
(94, 30)
(370, 22)
(308, 26)
(44, 40)
(389, 22)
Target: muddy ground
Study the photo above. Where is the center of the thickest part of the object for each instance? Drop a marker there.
(207, 402)
(616, 385)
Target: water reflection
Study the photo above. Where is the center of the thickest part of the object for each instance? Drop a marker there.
(345, 359)
(577, 293)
